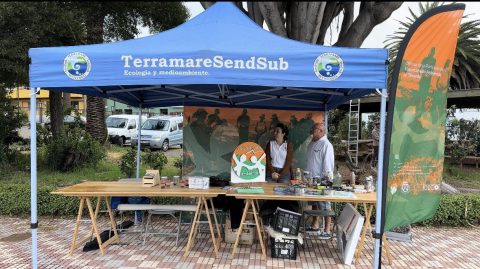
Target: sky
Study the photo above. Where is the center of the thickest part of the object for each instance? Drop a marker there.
(380, 32)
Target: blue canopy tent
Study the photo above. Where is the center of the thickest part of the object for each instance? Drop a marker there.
(220, 58)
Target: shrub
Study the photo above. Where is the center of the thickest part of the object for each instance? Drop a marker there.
(457, 210)
(178, 163)
(73, 148)
(155, 160)
(128, 162)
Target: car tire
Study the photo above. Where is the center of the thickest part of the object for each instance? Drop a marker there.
(121, 141)
(165, 145)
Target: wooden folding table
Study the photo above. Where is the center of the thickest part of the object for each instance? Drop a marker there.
(86, 191)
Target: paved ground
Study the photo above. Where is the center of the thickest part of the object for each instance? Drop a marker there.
(431, 248)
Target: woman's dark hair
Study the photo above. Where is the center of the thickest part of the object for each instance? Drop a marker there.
(284, 129)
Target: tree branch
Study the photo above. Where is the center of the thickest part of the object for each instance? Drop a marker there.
(347, 18)
(254, 13)
(274, 20)
(206, 4)
(371, 14)
(328, 16)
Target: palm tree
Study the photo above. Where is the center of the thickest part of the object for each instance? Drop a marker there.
(467, 56)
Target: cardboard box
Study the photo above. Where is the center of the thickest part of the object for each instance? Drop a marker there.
(246, 238)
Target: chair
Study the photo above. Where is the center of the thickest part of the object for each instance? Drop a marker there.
(319, 213)
(170, 210)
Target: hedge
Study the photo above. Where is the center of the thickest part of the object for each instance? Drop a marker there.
(15, 201)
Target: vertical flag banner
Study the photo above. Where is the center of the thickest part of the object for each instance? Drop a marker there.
(415, 136)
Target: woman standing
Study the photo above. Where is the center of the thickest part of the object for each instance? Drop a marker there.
(279, 154)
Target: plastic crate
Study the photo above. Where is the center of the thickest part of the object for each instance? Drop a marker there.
(285, 221)
(284, 248)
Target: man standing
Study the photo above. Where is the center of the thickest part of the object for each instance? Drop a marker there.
(320, 163)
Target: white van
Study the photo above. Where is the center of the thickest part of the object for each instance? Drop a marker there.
(122, 127)
(161, 132)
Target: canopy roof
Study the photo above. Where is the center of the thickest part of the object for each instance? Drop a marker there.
(219, 58)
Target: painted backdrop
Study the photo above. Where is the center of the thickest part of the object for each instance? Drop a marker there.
(211, 135)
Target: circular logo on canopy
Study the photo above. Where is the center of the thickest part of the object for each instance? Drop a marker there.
(328, 66)
(77, 65)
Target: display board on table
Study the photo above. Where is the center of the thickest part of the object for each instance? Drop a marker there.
(211, 135)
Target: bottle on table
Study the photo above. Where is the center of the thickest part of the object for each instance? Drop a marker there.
(298, 174)
(337, 179)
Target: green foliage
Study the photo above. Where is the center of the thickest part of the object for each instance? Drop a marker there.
(10, 121)
(73, 148)
(128, 163)
(461, 178)
(338, 129)
(155, 160)
(462, 138)
(457, 210)
(178, 163)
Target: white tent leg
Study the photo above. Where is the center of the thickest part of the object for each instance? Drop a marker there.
(139, 138)
(139, 126)
(33, 174)
(381, 146)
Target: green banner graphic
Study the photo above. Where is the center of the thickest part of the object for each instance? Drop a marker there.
(417, 116)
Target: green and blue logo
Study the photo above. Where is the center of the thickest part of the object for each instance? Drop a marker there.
(77, 65)
(328, 66)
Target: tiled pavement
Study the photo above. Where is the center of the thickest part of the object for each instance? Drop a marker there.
(431, 248)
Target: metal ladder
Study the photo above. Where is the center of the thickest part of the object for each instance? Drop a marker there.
(353, 130)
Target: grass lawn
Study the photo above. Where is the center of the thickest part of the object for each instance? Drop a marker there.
(107, 170)
(467, 177)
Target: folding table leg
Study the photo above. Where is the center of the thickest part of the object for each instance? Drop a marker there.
(215, 246)
(386, 247)
(77, 225)
(216, 221)
(192, 230)
(361, 244)
(239, 231)
(112, 219)
(95, 228)
(259, 228)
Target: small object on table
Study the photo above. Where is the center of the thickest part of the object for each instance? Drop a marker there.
(164, 182)
(176, 180)
(250, 190)
(151, 178)
(183, 183)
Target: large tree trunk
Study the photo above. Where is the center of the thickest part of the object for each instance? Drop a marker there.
(310, 21)
(95, 105)
(67, 101)
(371, 14)
(56, 112)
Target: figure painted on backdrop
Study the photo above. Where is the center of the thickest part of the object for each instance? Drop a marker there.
(279, 156)
(214, 120)
(321, 162)
(260, 128)
(200, 129)
(423, 97)
(243, 124)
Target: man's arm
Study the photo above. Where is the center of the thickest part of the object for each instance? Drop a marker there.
(329, 159)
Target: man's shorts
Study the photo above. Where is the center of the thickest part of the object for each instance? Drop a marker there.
(322, 205)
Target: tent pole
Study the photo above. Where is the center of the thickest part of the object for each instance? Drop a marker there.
(325, 116)
(33, 174)
(381, 146)
(139, 138)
